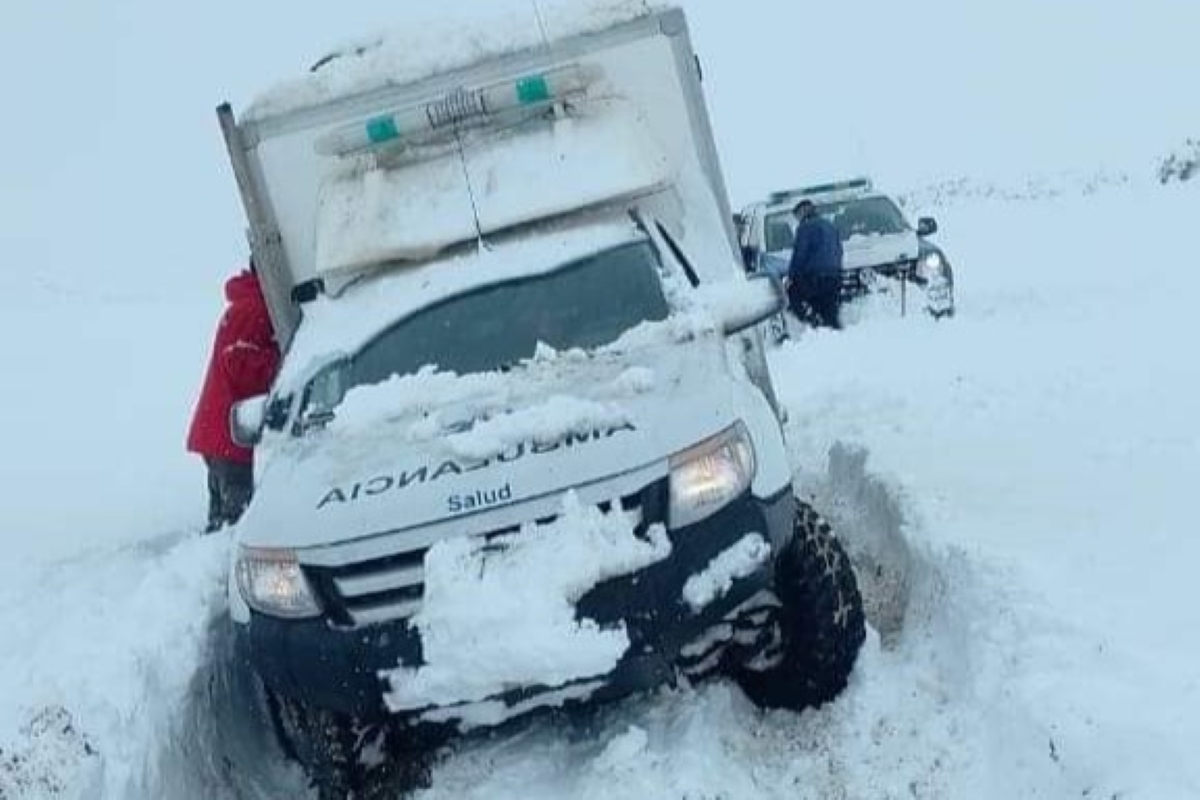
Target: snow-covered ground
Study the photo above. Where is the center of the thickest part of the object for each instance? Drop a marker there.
(1015, 482)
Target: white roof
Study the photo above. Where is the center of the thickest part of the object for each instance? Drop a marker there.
(449, 41)
(838, 197)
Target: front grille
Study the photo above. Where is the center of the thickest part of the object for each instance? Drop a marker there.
(858, 282)
(392, 587)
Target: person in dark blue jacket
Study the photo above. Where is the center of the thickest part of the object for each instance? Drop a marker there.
(815, 272)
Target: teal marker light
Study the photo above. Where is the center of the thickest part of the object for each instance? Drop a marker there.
(382, 129)
(533, 89)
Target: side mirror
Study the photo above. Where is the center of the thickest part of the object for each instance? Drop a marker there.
(927, 226)
(741, 304)
(247, 420)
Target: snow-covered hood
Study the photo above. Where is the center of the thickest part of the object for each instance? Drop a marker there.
(861, 252)
(484, 442)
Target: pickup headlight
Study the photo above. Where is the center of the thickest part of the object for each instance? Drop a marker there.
(707, 477)
(931, 266)
(272, 583)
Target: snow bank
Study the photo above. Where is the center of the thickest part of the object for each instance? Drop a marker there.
(487, 628)
(453, 39)
(1049, 434)
(115, 641)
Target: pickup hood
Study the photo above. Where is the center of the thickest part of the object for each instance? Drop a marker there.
(862, 252)
(435, 447)
(859, 252)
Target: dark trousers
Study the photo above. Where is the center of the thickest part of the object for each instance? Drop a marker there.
(230, 485)
(817, 300)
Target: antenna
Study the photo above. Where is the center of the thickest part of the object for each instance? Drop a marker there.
(462, 160)
(541, 22)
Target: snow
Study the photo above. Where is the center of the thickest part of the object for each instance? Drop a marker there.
(543, 423)
(481, 416)
(492, 427)
(53, 757)
(487, 628)
(739, 561)
(371, 213)
(443, 43)
(1026, 491)
(332, 327)
(1023, 493)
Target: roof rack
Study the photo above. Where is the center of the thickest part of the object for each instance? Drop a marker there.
(857, 185)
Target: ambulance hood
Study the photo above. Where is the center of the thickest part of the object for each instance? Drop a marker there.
(425, 450)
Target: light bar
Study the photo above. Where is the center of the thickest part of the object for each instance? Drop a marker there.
(858, 184)
(462, 106)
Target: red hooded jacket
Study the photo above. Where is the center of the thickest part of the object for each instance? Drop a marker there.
(243, 365)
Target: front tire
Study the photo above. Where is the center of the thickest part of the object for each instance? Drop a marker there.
(821, 622)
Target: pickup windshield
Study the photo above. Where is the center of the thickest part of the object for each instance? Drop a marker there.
(870, 216)
(585, 304)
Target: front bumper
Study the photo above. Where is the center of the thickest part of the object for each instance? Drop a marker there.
(860, 281)
(937, 295)
(321, 665)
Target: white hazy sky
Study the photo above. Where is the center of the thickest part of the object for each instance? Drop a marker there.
(109, 150)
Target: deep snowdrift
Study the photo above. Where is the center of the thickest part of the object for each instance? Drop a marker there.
(1015, 484)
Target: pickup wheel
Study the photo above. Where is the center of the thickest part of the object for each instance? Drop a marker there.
(821, 622)
(944, 307)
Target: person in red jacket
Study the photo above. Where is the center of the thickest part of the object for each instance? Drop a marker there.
(242, 365)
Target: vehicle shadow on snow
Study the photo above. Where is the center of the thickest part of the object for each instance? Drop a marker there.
(868, 517)
(224, 746)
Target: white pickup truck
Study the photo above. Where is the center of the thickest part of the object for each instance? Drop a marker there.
(882, 250)
(523, 451)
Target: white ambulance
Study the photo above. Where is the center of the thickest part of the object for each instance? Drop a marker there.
(523, 452)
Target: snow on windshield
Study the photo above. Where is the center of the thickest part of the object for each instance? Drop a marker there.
(486, 628)
(584, 305)
(541, 399)
(344, 324)
(426, 44)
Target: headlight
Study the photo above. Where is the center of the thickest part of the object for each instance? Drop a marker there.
(707, 477)
(272, 583)
(932, 265)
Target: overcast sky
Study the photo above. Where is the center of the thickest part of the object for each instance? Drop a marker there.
(109, 150)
